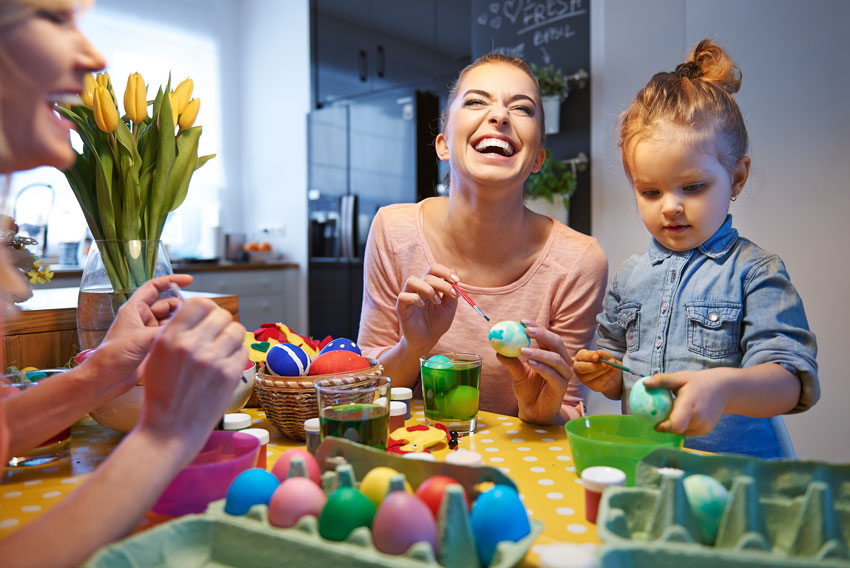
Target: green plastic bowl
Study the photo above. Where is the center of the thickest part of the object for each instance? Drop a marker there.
(619, 441)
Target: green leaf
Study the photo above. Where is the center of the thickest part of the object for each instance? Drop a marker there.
(554, 179)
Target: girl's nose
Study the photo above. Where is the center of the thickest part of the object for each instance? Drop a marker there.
(672, 205)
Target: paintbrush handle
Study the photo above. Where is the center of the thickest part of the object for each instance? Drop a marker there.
(617, 365)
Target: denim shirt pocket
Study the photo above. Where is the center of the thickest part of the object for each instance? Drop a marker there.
(628, 317)
(714, 328)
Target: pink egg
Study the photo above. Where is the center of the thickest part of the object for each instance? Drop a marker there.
(403, 520)
(281, 466)
(293, 499)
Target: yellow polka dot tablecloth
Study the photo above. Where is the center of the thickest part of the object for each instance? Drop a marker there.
(536, 458)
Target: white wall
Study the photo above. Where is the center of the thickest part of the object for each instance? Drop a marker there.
(797, 203)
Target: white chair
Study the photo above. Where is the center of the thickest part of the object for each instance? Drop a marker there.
(784, 438)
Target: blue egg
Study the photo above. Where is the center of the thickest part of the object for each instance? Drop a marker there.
(497, 515)
(251, 487)
(651, 404)
(287, 360)
(341, 344)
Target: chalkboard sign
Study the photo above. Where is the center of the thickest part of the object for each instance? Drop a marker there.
(547, 32)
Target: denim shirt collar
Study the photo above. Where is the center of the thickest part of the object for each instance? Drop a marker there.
(719, 244)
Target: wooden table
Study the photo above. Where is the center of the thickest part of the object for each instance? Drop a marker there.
(43, 333)
(537, 458)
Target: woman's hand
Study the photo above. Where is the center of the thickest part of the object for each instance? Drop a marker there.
(129, 338)
(426, 307)
(194, 366)
(700, 400)
(540, 385)
(598, 376)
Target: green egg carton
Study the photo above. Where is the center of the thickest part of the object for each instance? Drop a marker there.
(783, 513)
(217, 539)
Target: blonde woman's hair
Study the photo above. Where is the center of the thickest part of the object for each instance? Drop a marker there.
(697, 95)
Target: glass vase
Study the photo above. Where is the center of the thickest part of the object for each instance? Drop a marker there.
(112, 272)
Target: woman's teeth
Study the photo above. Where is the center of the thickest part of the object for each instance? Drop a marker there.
(496, 145)
(65, 99)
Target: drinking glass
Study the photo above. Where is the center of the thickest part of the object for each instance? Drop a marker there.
(356, 408)
(57, 446)
(450, 384)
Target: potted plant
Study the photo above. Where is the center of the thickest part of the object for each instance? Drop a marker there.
(549, 190)
(553, 89)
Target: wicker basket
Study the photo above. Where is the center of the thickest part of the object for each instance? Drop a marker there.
(288, 403)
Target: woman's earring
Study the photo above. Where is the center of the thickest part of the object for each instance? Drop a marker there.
(733, 198)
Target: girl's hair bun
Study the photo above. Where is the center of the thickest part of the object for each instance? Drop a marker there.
(709, 62)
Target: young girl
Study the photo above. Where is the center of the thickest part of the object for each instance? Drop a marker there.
(705, 312)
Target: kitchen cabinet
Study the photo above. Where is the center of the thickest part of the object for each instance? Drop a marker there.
(373, 45)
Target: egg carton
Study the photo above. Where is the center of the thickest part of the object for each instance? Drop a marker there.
(218, 539)
(783, 513)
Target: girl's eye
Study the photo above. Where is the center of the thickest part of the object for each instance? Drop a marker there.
(648, 193)
(693, 187)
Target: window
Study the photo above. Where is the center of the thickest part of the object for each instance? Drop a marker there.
(154, 47)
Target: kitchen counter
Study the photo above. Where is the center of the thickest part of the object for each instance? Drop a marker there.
(43, 333)
(67, 271)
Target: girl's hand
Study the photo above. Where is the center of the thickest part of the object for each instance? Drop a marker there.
(700, 400)
(426, 307)
(598, 376)
(540, 385)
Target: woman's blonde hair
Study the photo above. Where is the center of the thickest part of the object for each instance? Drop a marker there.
(697, 95)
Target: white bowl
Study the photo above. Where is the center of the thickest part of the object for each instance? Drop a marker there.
(123, 413)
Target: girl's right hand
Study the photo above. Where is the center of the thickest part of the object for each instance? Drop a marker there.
(598, 376)
(426, 307)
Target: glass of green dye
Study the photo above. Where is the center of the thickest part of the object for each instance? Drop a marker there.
(356, 408)
(450, 383)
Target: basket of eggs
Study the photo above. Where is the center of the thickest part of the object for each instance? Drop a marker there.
(284, 381)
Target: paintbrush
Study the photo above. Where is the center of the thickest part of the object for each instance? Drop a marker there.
(469, 301)
(175, 289)
(617, 365)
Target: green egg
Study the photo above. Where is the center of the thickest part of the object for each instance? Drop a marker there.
(439, 362)
(707, 498)
(651, 404)
(462, 402)
(345, 510)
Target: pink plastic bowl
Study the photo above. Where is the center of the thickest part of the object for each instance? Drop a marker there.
(207, 477)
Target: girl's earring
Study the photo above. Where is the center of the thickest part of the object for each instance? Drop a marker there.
(733, 198)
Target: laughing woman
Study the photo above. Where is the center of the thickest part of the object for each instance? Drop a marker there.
(190, 357)
(515, 264)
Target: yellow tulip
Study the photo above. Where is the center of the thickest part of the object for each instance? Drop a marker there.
(182, 94)
(135, 98)
(103, 79)
(190, 113)
(89, 83)
(172, 100)
(105, 111)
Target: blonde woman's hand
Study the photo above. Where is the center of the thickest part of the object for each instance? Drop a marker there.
(598, 376)
(540, 383)
(426, 307)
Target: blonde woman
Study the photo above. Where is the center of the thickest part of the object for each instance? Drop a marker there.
(185, 354)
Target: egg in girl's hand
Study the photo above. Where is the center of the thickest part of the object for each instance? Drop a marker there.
(376, 484)
(651, 404)
(293, 499)
(707, 498)
(281, 466)
(401, 521)
(508, 337)
(345, 510)
(497, 515)
(251, 487)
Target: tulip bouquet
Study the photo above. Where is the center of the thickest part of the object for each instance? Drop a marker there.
(134, 169)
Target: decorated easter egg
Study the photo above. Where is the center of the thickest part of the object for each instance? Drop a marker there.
(251, 487)
(338, 361)
(293, 499)
(707, 498)
(376, 484)
(287, 360)
(341, 344)
(508, 337)
(497, 515)
(345, 510)
(401, 521)
(432, 490)
(281, 466)
(461, 403)
(438, 362)
(651, 404)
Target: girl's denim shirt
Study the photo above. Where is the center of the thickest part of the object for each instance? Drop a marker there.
(727, 303)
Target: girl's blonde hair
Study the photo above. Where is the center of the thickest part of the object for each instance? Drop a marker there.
(697, 95)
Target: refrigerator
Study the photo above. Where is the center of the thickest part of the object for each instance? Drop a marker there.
(363, 154)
